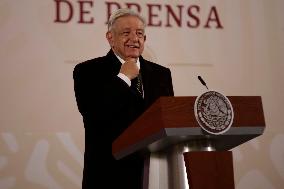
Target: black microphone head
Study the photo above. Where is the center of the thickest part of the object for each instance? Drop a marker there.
(202, 81)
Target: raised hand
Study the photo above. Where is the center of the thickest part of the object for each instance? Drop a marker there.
(130, 68)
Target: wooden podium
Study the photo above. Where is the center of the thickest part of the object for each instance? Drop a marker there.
(170, 126)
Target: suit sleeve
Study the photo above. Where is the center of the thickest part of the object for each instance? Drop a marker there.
(98, 95)
(170, 83)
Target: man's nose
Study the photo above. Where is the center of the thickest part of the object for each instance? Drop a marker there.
(133, 36)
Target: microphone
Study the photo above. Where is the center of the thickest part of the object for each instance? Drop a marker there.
(202, 81)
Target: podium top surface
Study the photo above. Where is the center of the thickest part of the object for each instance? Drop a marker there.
(171, 120)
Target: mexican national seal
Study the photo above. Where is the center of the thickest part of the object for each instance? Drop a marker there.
(214, 112)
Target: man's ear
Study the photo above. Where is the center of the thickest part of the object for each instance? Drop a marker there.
(109, 38)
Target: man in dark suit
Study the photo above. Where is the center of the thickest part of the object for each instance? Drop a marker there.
(109, 100)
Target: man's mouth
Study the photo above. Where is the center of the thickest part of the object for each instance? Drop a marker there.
(133, 46)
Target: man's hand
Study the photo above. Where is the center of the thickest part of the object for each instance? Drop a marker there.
(130, 68)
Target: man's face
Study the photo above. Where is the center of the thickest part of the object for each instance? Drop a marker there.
(127, 37)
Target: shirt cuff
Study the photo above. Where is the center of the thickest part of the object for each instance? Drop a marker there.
(124, 78)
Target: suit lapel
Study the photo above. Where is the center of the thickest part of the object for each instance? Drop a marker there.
(145, 69)
(113, 62)
(146, 73)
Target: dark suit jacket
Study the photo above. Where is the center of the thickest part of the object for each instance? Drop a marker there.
(108, 107)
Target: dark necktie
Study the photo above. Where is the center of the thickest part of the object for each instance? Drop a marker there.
(136, 85)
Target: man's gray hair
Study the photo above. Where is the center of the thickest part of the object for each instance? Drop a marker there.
(123, 12)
